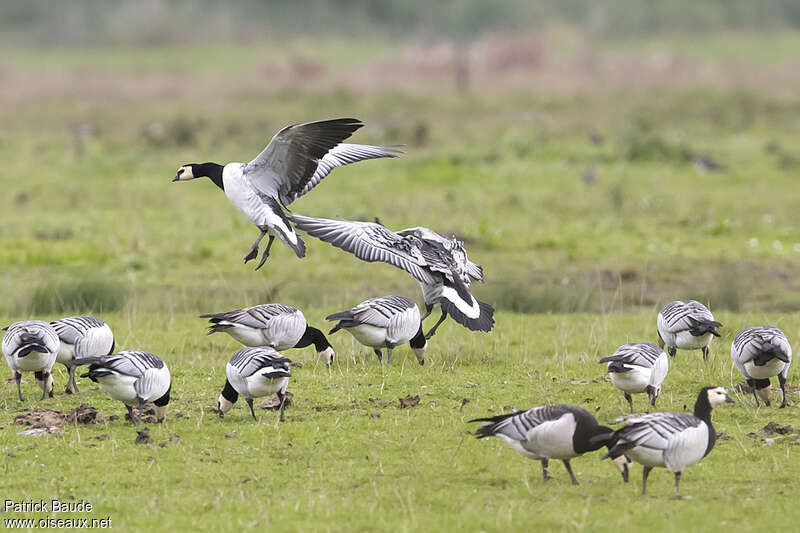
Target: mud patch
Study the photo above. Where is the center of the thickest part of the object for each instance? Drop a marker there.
(147, 414)
(143, 436)
(48, 418)
(274, 403)
(409, 401)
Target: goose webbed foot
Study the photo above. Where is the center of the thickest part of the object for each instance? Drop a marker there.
(265, 255)
(379, 354)
(545, 475)
(253, 253)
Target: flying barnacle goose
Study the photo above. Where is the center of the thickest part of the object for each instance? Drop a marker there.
(638, 367)
(760, 353)
(31, 346)
(276, 325)
(81, 336)
(686, 325)
(384, 322)
(439, 265)
(253, 373)
(132, 377)
(671, 440)
(552, 432)
(296, 159)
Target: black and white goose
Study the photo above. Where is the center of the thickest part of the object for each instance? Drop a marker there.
(670, 440)
(439, 265)
(552, 432)
(132, 377)
(296, 159)
(278, 326)
(686, 325)
(253, 373)
(81, 336)
(761, 353)
(384, 322)
(31, 346)
(638, 367)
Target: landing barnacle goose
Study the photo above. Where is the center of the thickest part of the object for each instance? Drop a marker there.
(670, 440)
(132, 377)
(760, 353)
(384, 322)
(552, 432)
(638, 367)
(253, 373)
(296, 159)
(276, 325)
(31, 346)
(686, 325)
(439, 265)
(81, 336)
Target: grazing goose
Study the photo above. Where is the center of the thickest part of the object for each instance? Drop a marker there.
(276, 325)
(31, 346)
(439, 265)
(551, 432)
(296, 159)
(638, 367)
(686, 325)
(81, 336)
(132, 377)
(253, 373)
(760, 353)
(384, 322)
(670, 440)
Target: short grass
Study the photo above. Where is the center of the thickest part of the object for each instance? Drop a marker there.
(348, 458)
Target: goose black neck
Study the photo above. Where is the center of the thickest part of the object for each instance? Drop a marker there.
(591, 437)
(212, 171)
(164, 400)
(315, 337)
(229, 393)
(419, 340)
(702, 407)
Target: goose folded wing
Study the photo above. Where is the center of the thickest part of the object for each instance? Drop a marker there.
(655, 430)
(379, 311)
(686, 447)
(290, 160)
(370, 242)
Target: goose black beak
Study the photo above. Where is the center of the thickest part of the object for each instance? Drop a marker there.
(728, 399)
(176, 178)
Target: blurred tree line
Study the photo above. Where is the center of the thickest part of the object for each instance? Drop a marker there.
(103, 22)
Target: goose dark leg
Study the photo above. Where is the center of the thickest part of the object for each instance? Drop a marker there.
(130, 413)
(41, 380)
(253, 253)
(545, 475)
(266, 252)
(752, 384)
(677, 483)
(645, 472)
(18, 379)
(250, 405)
(782, 381)
(569, 469)
(282, 398)
(140, 413)
(379, 354)
(71, 385)
(432, 331)
(389, 354)
(630, 400)
(705, 353)
(428, 311)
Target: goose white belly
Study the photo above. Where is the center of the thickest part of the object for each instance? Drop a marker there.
(247, 335)
(120, 387)
(553, 439)
(646, 456)
(772, 368)
(258, 386)
(369, 335)
(517, 445)
(633, 381)
(66, 353)
(36, 362)
(686, 341)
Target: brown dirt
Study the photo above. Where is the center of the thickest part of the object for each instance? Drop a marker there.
(143, 436)
(409, 401)
(274, 403)
(48, 418)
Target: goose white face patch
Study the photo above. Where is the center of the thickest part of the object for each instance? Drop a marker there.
(717, 396)
(470, 309)
(185, 173)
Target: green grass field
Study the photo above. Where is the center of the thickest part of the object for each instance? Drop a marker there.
(89, 222)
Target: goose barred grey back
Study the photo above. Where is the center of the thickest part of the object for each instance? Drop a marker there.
(760, 353)
(638, 367)
(81, 336)
(686, 325)
(253, 373)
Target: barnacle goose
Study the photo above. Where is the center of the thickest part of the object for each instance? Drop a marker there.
(686, 325)
(296, 159)
(132, 377)
(760, 353)
(276, 325)
(552, 432)
(31, 346)
(439, 265)
(81, 336)
(638, 367)
(253, 373)
(670, 440)
(384, 322)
